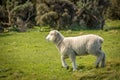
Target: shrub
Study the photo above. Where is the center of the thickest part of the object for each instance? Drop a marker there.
(49, 19)
(56, 13)
(113, 12)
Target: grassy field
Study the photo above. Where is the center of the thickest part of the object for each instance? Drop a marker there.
(28, 56)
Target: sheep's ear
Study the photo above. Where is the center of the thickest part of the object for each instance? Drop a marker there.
(56, 32)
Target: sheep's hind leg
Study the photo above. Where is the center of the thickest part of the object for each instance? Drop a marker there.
(100, 58)
(98, 61)
(103, 59)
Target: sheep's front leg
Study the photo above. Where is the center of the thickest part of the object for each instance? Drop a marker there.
(64, 64)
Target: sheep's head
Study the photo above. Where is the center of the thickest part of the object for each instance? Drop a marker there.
(54, 36)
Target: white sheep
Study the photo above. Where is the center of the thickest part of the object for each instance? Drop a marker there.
(77, 46)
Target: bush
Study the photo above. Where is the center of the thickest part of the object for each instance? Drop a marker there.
(24, 16)
(113, 11)
(49, 19)
(56, 13)
(85, 13)
(16, 13)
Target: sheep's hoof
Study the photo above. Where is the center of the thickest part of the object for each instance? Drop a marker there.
(74, 70)
(67, 67)
(96, 66)
(102, 66)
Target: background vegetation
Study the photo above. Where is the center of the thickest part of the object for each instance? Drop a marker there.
(20, 15)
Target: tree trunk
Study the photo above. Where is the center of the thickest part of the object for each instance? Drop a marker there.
(21, 25)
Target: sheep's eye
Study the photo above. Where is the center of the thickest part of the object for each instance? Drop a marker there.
(52, 34)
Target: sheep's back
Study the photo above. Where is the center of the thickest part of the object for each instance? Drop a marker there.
(80, 44)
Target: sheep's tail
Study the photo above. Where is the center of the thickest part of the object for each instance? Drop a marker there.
(101, 40)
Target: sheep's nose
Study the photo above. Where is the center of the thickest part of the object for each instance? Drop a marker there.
(47, 38)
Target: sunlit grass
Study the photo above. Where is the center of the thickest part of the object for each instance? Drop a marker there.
(28, 56)
(115, 24)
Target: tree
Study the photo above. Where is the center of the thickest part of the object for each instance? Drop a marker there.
(89, 13)
(49, 19)
(58, 14)
(92, 13)
(113, 11)
(62, 10)
(74, 1)
(24, 16)
(21, 11)
(7, 12)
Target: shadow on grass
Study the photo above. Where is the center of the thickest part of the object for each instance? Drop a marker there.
(3, 72)
(6, 73)
(110, 72)
(114, 28)
(5, 34)
(82, 68)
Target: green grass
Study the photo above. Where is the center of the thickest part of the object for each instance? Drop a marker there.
(112, 24)
(28, 56)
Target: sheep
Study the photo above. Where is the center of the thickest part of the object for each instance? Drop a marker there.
(77, 46)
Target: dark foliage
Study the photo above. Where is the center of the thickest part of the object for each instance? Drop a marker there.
(17, 13)
(24, 16)
(113, 11)
(58, 14)
(87, 13)
(62, 10)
